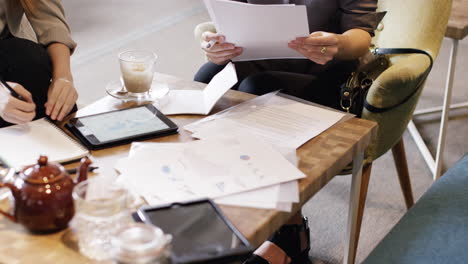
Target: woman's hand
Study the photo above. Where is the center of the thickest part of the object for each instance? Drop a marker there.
(61, 98)
(319, 47)
(14, 110)
(220, 52)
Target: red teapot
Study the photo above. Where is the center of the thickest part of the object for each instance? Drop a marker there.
(43, 195)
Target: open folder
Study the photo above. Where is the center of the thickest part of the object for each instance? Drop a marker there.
(263, 31)
(201, 102)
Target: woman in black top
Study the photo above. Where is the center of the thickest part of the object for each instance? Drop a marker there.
(340, 33)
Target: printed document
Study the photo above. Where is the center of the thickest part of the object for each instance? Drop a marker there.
(263, 31)
(283, 122)
(170, 172)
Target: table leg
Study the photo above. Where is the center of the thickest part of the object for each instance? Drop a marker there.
(446, 109)
(349, 253)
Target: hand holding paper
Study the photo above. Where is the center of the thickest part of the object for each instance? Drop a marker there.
(217, 50)
(263, 31)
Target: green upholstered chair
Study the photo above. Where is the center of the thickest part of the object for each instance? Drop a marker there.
(408, 24)
(434, 230)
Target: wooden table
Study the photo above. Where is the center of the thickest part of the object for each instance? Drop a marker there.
(457, 29)
(320, 159)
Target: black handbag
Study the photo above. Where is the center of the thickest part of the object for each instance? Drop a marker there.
(353, 93)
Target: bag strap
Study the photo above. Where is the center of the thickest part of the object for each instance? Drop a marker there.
(379, 51)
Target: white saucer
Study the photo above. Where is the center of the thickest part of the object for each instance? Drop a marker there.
(157, 91)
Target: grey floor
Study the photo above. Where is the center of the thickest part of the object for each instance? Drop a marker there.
(104, 28)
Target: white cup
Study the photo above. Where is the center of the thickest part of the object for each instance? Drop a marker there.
(137, 69)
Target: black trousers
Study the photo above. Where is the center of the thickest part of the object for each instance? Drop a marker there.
(322, 88)
(27, 63)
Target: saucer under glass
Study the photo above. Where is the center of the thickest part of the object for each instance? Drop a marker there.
(157, 92)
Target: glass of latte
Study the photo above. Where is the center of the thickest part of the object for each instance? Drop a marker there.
(137, 69)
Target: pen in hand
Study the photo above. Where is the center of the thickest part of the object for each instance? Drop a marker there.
(209, 44)
(13, 92)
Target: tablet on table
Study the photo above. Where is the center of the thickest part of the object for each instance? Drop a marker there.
(121, 126)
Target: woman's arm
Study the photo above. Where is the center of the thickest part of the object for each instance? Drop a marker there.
(62, 94)
(48, 21)
(322, 47)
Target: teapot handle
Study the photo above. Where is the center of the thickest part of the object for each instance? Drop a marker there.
(9, 216)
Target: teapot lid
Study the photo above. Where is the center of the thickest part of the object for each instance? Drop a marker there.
(43, 172)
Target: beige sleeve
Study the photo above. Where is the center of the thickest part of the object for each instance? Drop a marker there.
(49, 24)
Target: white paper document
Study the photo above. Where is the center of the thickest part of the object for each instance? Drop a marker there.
(280, 121)
(200, 101)
(21, 145)
(279, 197)
(171, 172)
(263, 31)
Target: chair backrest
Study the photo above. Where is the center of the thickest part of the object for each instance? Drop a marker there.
(413, 24)
(417, 24)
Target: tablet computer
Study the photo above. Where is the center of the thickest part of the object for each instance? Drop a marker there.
(121, 126)
(200, 231)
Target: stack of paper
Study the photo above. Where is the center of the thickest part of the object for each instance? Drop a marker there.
(247, 156)
(263, 31)
(214, 168)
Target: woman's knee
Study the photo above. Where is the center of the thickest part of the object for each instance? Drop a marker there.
(26, 63)
(260, 83)
(207, 71)
(25, 55)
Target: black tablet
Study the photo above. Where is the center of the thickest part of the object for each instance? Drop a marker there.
(200, 231)
(121, 126)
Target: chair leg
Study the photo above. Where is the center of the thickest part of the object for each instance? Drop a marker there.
(401, 165)
(366, 171)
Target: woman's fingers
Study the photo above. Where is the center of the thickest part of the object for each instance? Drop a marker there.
(67, 106)
(219, 47)
(320, 47)
(320, 38)
(25, 94)
(208, 36)
(217, 50)
(18, 112)
(20, 117)
(317, 58)
(62, 94)
(223, 57)
(22, 106)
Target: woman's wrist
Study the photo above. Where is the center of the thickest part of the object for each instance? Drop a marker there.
(62, 79)
(64, 76)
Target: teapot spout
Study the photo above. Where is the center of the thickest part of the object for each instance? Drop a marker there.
(83, 170)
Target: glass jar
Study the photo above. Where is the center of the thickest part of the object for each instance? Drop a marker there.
(100, 212)
(140, 243)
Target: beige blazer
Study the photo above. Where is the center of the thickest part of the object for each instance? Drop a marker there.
(45, 25)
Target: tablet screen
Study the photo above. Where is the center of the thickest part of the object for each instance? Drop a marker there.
(196, 229)
(121, 124)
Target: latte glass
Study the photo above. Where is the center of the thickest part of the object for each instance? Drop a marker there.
(137, 70)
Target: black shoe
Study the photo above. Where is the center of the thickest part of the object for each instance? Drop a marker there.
(288, 238)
